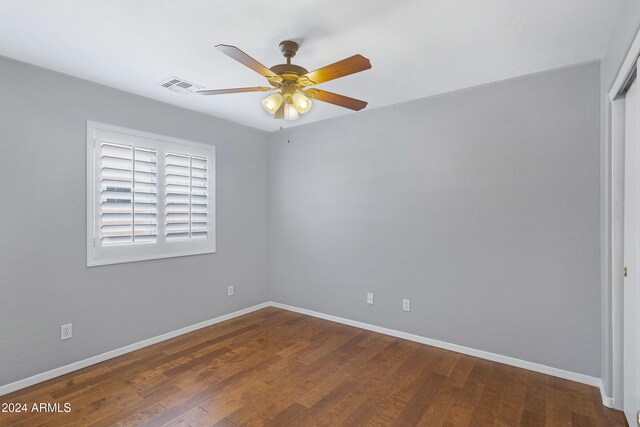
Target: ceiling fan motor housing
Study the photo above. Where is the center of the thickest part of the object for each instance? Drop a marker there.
(289, 49)
(283, 69)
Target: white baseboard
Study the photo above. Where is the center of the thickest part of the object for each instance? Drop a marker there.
(560, 373)
(531, 366)
(606, 400)
(20, 384)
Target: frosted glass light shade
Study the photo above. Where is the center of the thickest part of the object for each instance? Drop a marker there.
(272, 102)
(290, 112)
(301, 102)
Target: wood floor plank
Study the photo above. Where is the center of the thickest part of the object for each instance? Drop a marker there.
(225, 422)
(403, 392)
(416, 407)
(278, 368)
(288, 416)
(325, 404)
(437, 411)
(488, 405)
(461, 370)
(509, 415)
(534, 419)
(458, 416)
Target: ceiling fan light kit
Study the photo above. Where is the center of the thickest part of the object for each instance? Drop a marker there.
(272, 102)
(301, 102)
(290, 112)
(294, 82)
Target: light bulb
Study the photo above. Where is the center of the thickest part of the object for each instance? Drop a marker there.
(272, 102)
(290, 112)
(301, 102)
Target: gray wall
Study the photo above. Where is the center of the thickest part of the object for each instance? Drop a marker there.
(624, 32)
(44, 281)
(481, 206)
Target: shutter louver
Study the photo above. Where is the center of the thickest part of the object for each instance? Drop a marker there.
(186, 187)
(128, 212)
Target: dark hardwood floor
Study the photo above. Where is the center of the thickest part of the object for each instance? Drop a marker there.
(279, 368)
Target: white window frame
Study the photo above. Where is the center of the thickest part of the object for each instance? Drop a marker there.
(98, 255)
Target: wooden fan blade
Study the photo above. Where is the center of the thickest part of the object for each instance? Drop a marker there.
(351, 65)
(245, 60)
(235, 90)
(334, 98)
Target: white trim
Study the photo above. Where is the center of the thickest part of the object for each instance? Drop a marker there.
(91, 170)
(531, 366)
(97, 254)
(92, 125)
(20, 384)
(614, 204)
(606, 400)
(615, 242)
(628, 64)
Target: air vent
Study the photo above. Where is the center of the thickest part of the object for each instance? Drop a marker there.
(176, 84)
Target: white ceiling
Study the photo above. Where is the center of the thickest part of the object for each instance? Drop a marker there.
(417, 48)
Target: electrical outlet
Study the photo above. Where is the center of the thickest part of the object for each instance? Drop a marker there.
(369, 297)
(406, 305)
(65, 332)
(230, 291)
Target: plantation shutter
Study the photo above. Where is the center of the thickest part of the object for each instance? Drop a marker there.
(129, 204)
(148, 196)
(187, 203)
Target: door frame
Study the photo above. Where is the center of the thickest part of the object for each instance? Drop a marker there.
(613, 241)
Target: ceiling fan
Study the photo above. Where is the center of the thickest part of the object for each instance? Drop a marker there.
(294, 82)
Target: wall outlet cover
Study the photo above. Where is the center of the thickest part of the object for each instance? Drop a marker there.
(406, 305)
(230, 291)
(369, 297)
(66, 332)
